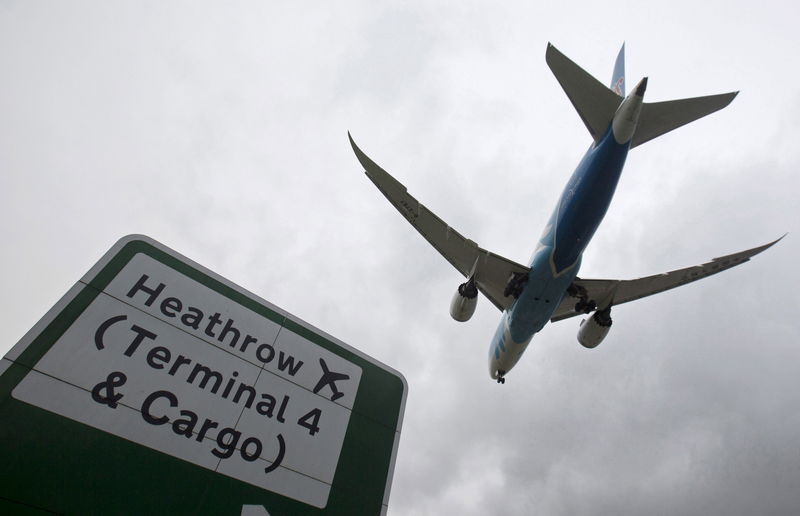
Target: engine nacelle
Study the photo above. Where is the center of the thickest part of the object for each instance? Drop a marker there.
(594, 329)
(464, 301)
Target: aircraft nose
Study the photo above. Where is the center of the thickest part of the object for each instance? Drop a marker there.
(494, 368)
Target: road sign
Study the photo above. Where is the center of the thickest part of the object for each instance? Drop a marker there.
(155, 385)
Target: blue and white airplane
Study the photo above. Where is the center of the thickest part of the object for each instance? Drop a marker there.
(549, 288)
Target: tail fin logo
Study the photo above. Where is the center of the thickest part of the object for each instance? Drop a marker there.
(617, 88)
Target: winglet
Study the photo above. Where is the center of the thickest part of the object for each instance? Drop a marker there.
(375, 173)
(761, 249)
(362, 158)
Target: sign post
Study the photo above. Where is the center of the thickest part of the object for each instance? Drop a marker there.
(155, 385)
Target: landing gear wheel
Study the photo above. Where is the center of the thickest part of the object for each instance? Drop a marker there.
(585, 306)
(516, 284)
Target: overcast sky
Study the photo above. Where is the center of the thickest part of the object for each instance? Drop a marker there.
(220, 129)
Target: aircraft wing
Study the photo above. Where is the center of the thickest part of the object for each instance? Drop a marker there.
(615, 292)
(492, 272)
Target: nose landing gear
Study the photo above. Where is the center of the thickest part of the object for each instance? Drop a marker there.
(501, 377)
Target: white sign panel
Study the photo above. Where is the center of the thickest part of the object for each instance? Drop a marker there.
(164, 361)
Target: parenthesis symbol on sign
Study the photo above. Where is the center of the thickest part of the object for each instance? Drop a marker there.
(101, 330)
(279, 458)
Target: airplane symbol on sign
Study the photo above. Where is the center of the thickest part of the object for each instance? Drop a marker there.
(330, 378)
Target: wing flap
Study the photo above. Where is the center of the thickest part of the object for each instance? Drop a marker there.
(492, 271)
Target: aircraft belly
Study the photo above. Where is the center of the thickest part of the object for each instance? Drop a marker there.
(527, 316)
(505, 352)
(534, 308)
(585, 201)
(539, 299)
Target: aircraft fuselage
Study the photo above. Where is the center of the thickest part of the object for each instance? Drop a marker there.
(557, 257)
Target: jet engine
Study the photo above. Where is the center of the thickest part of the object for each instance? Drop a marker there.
(464, 301)
(594, 329)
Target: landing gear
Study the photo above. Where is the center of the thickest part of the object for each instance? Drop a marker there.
(603, 317)
(501, 377)
(577, 291)
(584, 304)
(515, 284)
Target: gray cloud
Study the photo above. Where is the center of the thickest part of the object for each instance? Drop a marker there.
(221, 131)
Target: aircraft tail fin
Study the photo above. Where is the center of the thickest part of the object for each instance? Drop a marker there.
(594, 102)
(618, 79)
(658, 118)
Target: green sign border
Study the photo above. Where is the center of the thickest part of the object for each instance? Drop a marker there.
(55, 464)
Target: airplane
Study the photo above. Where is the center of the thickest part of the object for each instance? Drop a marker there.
(330, 378)
(549, 289)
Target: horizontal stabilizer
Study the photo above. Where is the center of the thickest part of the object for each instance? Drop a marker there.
(661, 117)
(594, 102)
